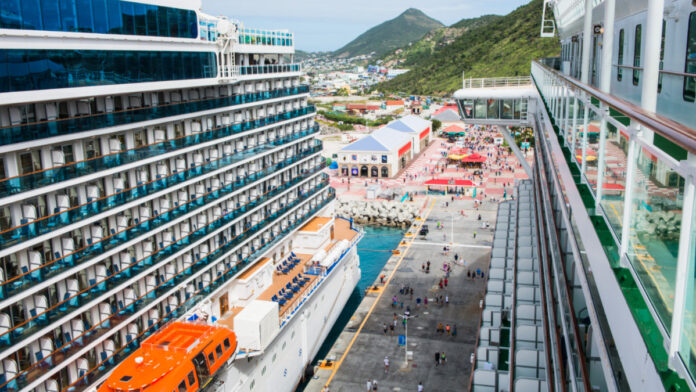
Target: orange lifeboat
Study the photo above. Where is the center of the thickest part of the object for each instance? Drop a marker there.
(182, 356)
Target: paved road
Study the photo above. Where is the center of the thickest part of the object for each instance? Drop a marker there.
(366, 352)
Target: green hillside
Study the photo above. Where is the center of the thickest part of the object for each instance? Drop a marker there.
(502, 47)
(410, 26)
(411, 54)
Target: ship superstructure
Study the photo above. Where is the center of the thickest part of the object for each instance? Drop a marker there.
(149, 153)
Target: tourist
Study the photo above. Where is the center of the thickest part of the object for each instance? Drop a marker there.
(423, 267)
(474, 234)
(445, 282)
(437, 358)
(385, 329)
(456, 257)
(394, 301)
(391, 329)
(420, 386)
(418, 301)
(386, 364)
(440, 284)
(443, 359)
(454, 330)
(374, 384)
(446, 299)
(425, 301)
(411, 292)
(440, 328)
(447, 328)
(369, 385)
(441, 301)
(468, 274)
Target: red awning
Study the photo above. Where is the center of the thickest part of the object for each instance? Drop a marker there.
(450, 182)
(474, 158)
(613, 187)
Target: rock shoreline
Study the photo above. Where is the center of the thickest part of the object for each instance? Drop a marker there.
(380, 213)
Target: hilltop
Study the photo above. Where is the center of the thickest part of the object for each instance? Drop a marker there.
(410, 26)
(502, 46)
(432, 41)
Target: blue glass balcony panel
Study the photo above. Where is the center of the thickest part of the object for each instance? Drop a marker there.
(60, 264)
(166, 288)
(75, 214)
(28, 132)
(72, 170)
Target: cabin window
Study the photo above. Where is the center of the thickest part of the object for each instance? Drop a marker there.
(182, 387)
(191, 379)
(619, 70)
(227, 344)
(636, 54)
(218, 351)
(211, 359)
(690, 66)
(200, 365)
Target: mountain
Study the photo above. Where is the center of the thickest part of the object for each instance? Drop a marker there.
(410, 26)
(502, 47)
(432, 41)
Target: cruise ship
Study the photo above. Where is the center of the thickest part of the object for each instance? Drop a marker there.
(160, 181)
(593, 266)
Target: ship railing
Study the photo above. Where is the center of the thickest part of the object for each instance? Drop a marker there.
(518, 81)
(636, 173)
(247, 70)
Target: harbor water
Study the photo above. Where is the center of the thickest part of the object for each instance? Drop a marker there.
(374, 250)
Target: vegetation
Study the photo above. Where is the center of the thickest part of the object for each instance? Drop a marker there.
(436, 125)
(410, 26)
(347, 120)
(502, 46)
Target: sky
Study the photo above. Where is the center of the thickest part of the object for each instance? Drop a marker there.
(326, 25)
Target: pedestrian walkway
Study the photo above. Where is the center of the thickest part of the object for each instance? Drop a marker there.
(360, 350)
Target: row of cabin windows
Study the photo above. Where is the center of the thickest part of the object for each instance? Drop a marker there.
(689, 89)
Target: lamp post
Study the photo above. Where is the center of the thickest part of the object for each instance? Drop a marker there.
(406, 318)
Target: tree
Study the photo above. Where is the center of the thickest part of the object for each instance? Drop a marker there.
(436, 125)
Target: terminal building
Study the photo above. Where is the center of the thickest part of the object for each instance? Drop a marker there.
(593, 267)
(386, 151)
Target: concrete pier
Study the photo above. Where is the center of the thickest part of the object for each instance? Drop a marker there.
(359, 352)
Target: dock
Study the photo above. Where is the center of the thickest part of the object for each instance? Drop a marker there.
(358, 354)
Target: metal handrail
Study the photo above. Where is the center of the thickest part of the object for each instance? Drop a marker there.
(672, 130)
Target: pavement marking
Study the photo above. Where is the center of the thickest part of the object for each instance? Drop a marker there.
(451, 244)
(374, 304)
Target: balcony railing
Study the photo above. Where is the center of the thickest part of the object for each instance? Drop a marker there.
(634, 173)
(77, 300)
(30, 277)
(29, 132)
(497, 82)
(102, 368)
(75, 214)
(163, 290)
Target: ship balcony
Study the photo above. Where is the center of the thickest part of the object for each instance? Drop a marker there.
(97, 205)
(35, 131)
(71, 258)
(34, 180)
(30, 378)
(243, 72)
(103, 282)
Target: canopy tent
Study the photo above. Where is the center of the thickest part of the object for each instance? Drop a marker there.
(334, 165)
(454, 130)
(474, 158)
(456, 157)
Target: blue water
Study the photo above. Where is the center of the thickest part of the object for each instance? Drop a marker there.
(374, 250)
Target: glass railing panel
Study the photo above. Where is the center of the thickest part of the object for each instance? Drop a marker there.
(31, 229)
(28, 279)
(267, 69)
(614, 178)
(27, 376)
(656, 215)
(592, 151)
(28, 132)
(687, 349)
(66, 172)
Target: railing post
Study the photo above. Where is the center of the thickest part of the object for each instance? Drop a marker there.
(585, 129)
(575, 123)
(601, 154)
(566, 118)
(685, 268)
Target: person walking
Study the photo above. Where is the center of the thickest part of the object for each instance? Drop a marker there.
(447, 328)
(474, 234)
(439, 328)
(391, 328)
(386, 364)
(418, 302)
(454, 329)
(445, 282)
(425, 302)
(374, 384)
(437, 358)
(420, 386)
(369, 385)
(443, 359)
(446, 299)
(385, 329)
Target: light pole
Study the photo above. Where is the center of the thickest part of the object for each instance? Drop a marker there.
(406, 318)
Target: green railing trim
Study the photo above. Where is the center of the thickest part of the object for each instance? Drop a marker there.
(647, 326)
